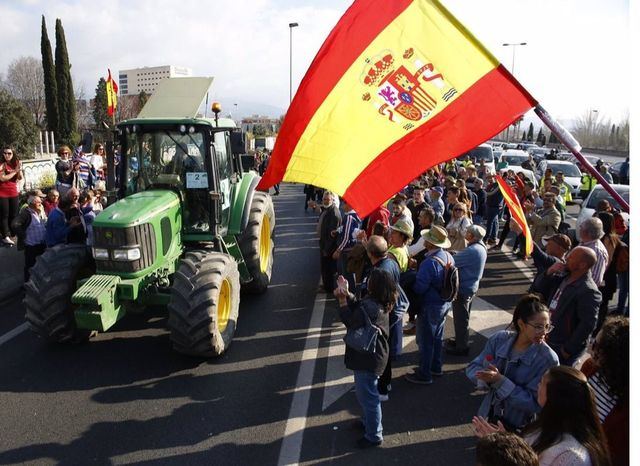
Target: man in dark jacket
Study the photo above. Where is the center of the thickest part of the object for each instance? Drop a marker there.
(328, 222)
(574, 305)
(368, 367)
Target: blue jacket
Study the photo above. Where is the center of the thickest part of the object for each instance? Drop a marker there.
(515, 398)
(57, 228)
(430, 278)
(470, 262)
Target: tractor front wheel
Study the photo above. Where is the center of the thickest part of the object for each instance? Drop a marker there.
(48, 292)
(204, 304)
(256, 242)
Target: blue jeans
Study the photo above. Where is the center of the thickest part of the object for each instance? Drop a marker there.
(429, 332)
(367, 395)
(492, 223)
(623, 293)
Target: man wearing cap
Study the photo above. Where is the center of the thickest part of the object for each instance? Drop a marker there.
(470, 263)
(546, 221)
(556, 247)
(433, 309)
(399, 235)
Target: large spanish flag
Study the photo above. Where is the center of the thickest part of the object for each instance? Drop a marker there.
(112, 95)
(398, 87)
(517, 214)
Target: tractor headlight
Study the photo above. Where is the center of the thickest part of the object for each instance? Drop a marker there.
(101, 254)
(132, 254)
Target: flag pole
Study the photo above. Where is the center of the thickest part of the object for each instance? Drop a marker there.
(573, 145)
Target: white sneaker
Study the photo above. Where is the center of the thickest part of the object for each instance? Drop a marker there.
(7, 240)
(383, 397)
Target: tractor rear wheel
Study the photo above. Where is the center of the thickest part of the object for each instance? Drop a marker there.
(256, 242)
(204, 304)
(48, 292)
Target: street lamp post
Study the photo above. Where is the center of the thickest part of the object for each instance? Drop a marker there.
(513, 65)
(291, 26)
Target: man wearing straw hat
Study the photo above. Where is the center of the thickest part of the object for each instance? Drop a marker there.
(433, 309)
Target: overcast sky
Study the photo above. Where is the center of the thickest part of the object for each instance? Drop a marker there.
(576, 59)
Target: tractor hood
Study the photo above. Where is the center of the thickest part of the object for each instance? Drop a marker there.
(137, 209)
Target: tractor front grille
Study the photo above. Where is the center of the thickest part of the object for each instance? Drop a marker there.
(141, 236)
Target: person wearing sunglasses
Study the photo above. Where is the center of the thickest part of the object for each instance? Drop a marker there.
(457, 227)
(10, 174)
(512, 364)
(64, 171)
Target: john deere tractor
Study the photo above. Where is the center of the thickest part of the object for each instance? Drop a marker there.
(187, 230)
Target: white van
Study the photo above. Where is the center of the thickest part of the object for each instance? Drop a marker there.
(482, 152)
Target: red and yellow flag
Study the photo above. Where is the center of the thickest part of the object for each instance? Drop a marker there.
(398, 87)
(112, 95)
(517, 214)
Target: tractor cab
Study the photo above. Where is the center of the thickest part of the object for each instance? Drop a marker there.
(191, 157)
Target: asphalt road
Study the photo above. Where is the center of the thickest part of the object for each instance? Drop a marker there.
(279, 395)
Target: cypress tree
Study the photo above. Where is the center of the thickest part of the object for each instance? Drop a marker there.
(67, 121)
(50, 88)
(100, 104)
(540, 135)
(530, 133)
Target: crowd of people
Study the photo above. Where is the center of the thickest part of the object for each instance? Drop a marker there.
(62, 215)
(432, 240)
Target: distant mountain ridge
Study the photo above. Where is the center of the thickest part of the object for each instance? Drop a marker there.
(246, 109)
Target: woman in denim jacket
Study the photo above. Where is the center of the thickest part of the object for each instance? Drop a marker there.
(512, 364)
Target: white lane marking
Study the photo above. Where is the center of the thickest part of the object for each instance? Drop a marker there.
(339, 379)
(13, 333)
(486, 319)
(297, 420)
(522, 265)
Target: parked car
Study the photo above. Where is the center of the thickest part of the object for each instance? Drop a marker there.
(596, 195)
(572, 174)
(482, 152)
(513, 158)
(527, 173)
(615, 171)
(538, 153)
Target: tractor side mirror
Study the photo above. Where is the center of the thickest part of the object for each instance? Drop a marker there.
(238, 144)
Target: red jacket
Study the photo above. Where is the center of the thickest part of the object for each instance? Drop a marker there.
(615, 425)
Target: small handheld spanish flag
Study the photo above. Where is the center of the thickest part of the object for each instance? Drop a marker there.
(397, 87)
(517, 213)
(112, 95)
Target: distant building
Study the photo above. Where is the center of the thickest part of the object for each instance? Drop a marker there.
(270, 125)
(134, 81)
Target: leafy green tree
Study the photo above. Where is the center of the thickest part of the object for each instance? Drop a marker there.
(259, 130)
(100, 104)
(17, 127)
(50, 88)
(530, 133)
(143, 97)
(67, 120)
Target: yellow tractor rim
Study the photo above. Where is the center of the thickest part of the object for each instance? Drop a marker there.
(265, 243)
(224, 305)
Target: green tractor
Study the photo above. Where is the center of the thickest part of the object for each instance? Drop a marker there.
(187, 230)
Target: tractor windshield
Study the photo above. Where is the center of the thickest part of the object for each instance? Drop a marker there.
(170, 159)
(163, 158)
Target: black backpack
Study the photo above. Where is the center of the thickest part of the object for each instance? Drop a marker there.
(451, 283)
